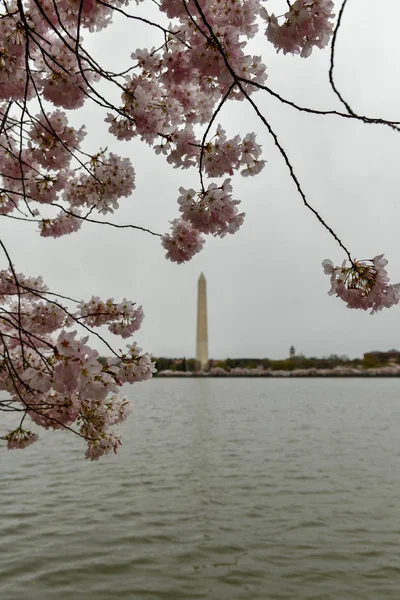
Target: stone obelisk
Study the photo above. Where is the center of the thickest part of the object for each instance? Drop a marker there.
(202, 329)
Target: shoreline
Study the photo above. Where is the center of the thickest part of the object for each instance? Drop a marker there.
(277, 375)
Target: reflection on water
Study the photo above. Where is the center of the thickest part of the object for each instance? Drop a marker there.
(224, 489)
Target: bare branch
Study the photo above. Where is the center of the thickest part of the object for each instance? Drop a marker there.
(332, 65)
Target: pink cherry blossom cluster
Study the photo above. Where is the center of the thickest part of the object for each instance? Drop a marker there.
(178, 86)
(109, 178)
(52, 140)
(125, 317)
(183, 242)
(41, 160)
(223, 155)
(54, 376)
(64, 84)
(364, 284)
(63, 224)
(308, 23)
(135, 366)
(29, 287)
(20, 438)
(94, 15)
(165, 95)
(211, 211)
(41, 173)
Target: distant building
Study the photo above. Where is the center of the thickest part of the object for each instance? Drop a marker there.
(292, 352)
(392, 356)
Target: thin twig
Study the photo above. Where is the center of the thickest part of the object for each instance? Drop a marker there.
(332, 65)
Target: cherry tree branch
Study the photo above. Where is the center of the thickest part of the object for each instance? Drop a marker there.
(269, 128)
(332, 60)
(203, 142)
(109, 223)
(352, 116)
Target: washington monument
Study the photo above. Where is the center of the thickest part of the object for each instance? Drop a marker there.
(202, 330)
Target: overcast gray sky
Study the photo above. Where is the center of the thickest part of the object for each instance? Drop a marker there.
(266, 287)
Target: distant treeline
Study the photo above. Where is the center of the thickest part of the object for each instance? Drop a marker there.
(370, 360)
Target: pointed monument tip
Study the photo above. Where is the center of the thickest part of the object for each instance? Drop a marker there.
(201, 276)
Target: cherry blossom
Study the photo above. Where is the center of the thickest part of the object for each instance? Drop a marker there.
(109, 179)
(53, 374)
(125, 317)
(135, 366)
(211, 211)
(20, 438)
(61, 225)
(364, 284)
(52, 140)
(183, 242)
(222, 155)
(308, 23)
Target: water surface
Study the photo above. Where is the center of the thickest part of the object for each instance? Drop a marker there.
(224, 489)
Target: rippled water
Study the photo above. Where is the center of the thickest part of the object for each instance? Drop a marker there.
(224, 489)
